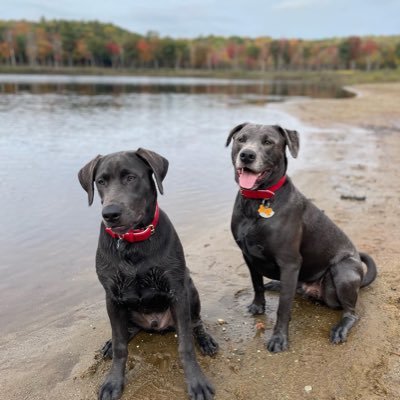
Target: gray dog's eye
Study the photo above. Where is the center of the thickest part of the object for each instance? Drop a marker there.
(267, 142)
(101, 181)
(130, 178)
(241, 139)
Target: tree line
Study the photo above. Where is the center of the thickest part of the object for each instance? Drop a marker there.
(74, 43)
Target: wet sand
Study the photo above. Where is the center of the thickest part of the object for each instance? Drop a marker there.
(353, 149)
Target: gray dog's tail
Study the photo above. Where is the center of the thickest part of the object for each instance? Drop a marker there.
(371, 269)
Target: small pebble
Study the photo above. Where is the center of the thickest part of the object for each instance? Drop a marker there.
(260, 326)
(308, 388)
(221, 321)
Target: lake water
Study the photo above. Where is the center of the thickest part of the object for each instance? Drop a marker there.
(50, 126)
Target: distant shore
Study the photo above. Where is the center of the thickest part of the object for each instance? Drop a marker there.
(343, 77)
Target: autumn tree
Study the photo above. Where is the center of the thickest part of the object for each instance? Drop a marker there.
(72, 43)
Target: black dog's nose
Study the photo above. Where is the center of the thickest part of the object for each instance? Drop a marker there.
(112, 213)
(247, 156)
(154, 324)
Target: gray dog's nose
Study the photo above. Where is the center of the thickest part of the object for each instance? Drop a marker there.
(247, 156)
(112, 213)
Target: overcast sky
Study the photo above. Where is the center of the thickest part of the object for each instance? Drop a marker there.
(189, 18)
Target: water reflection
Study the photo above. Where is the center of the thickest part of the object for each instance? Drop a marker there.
(275, 90)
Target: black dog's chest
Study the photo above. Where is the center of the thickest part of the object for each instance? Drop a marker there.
(145, 291)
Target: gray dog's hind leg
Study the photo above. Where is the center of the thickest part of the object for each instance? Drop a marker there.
(275, 286)
(347, 277)
(208, 346)
(107, 352)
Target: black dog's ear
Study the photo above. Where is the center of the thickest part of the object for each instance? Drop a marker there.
(233, 131)
(157, 163)
(291, 138)
(86, 177)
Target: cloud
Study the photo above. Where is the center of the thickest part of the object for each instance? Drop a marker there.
(299, 4)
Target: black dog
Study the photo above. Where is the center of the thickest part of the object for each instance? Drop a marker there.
(141, 265)
(283, 236)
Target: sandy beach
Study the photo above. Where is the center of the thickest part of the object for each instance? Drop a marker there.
(353, 150)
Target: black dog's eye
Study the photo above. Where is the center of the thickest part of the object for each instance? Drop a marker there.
(131, 178)
(242, 139)
(101, 181)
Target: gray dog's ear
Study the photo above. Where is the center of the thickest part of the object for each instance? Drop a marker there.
(86, 177)
(291, 138)
(157, 163)
(233, 131)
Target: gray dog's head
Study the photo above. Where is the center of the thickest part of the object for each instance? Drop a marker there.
(258, 153)
(126, 186)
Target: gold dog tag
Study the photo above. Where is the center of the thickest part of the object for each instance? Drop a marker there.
(265, 212)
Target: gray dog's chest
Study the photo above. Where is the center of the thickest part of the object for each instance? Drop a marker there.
(253, 237)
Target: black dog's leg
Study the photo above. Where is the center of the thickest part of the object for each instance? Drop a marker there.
(289, 275)
(257, 307)
(113, 385)
(106, 350)
(198, 386)
(347, 277)
(206, 342)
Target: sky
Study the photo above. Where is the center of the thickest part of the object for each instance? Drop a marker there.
(308, 19)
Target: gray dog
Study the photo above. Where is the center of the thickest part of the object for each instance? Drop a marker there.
(285, 237)
(141, 265)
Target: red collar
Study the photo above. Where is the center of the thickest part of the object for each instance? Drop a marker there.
(264, 193)
(137, 235)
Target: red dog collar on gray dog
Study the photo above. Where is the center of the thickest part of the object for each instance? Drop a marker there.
(264, 193)
(137, 235)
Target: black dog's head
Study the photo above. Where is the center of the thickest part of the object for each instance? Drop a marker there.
(126, 187)
(258, 153)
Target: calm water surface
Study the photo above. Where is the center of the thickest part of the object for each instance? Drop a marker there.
(50, 126)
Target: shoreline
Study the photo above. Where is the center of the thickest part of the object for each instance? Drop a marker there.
(60, 353)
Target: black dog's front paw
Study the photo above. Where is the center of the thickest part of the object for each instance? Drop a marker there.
(339, 334)
(208, 346)
(256, 309)
(106, 350)
(112, 388)
(277, 343)
(200, 389)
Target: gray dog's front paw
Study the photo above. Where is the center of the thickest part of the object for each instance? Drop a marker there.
(256, 309)
(277, 343)
(200, 389)
(112, 388)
